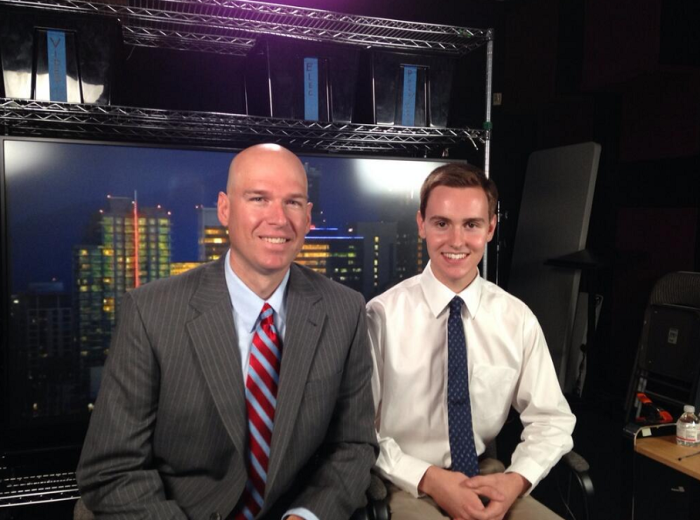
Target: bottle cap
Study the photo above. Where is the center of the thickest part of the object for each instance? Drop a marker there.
(689, 408)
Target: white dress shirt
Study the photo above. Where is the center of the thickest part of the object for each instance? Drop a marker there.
(509, 365)
(246, 314)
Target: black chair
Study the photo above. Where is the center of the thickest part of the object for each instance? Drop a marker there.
(666, 367)
(575, 487)
(667, 363)
(377, 507)
(568, 489)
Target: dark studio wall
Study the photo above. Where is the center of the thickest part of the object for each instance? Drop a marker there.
(624, 74)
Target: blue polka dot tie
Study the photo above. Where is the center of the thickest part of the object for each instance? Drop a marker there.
(459, 408)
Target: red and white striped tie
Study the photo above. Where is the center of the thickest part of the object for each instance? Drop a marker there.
(261, 401)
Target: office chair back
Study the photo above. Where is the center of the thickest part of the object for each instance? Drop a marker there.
(667, 364)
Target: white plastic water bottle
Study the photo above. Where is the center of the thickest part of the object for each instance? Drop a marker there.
(688, 428)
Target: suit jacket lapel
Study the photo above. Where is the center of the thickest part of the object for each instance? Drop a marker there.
(304, 324)
(215, 342)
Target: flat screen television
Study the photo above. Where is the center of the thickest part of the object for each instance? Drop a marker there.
(84, 222)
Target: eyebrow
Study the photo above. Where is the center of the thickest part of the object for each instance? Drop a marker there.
(473, 219)
(477, 220)
(248, 193)
(256, 192)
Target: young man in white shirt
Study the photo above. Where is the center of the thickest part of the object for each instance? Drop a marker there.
(422, 441)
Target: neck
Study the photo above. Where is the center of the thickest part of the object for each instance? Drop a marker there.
(263, 285)
(454, 286)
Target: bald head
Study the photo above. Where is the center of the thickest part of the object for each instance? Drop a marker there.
(265, 157)
(268, 214)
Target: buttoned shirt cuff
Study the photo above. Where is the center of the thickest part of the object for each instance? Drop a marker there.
(529, 469)
(406, 473)
(302, 512)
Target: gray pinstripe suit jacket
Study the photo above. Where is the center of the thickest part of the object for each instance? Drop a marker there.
(167, 438)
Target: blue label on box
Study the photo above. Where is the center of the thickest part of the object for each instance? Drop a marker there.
(408, 110)
(311, 89)
(56, 44)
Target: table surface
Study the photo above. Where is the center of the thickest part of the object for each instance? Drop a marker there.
(666, 451)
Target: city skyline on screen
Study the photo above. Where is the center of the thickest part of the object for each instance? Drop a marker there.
(88, 222)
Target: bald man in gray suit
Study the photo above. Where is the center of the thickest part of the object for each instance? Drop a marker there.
(170, 436)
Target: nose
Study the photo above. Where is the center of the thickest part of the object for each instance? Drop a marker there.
(276, 214)
(456, 237)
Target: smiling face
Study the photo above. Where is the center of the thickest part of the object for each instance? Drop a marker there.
(456, 229)
(267, 214)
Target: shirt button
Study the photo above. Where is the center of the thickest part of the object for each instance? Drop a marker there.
(215, 516)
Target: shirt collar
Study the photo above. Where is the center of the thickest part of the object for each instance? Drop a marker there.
(247, 304)
(439, 296)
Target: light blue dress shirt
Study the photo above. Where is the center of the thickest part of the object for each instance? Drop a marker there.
(246, 312)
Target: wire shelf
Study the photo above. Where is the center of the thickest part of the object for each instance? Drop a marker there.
(100, 122)
(231, 26)
(198, 42)
(38, 489)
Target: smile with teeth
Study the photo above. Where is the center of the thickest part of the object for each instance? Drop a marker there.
(455, 256)
(275, 240)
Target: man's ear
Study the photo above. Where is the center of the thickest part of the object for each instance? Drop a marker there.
(421, 224)
(222, 209)
(492, 228)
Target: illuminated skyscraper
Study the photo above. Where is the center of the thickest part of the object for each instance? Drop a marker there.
(92, 295)
(335, 253)
(211, 235)
(105, 268)
(182, 267)
(411, 255)
(379, 259)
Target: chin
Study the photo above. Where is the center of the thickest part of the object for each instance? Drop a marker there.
(277, 265)
(462, 278)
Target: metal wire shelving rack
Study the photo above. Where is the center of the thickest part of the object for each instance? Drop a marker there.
(34, 118)
(231, 27)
